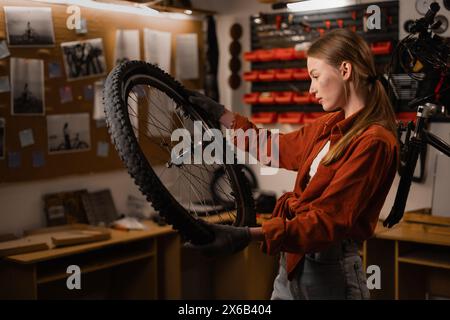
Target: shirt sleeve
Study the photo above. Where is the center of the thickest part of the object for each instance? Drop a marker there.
(290, 146)
(331, 216)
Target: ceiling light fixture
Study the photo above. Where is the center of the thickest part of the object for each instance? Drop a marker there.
(318, 5)
(123, 8)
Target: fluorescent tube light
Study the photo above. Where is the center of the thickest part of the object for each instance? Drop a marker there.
(319, 5)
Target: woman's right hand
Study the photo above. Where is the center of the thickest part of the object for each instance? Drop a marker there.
(214, 109)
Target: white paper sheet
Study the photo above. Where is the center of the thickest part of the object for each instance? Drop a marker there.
(26, 138)
(102, 149)
(158, 49)
(4, 84)
(187, 56)
(99, 111)
(127, 46)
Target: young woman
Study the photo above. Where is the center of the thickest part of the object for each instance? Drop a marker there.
(346, 162)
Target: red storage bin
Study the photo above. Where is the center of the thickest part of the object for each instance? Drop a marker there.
(284, 97)
(251, 75)
(251, 56)
(381, 47)
(406, 116)
(309, 117)
(284, 54)
(266, 75)
(264, 117)
(291, 117)
(284, 74)
(266, 98)
(300, 54)
(266, 55)
(301, 98)
(251, 98)
(301, 74)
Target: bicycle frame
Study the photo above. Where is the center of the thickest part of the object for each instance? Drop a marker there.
(413, 146)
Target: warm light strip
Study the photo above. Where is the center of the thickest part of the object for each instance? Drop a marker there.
(319, 5)
(138, 9)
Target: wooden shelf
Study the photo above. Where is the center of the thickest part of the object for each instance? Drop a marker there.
(427, 258)
(49, 277)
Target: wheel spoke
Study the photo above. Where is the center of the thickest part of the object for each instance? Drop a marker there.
(163, 115)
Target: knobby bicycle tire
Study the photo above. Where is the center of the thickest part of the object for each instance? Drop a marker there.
(118, 85)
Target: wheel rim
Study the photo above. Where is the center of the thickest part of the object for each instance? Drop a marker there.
(154, 114)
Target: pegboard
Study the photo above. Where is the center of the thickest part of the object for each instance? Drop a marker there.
(100, 24)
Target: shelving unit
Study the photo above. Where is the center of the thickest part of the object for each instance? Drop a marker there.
(130, 265)
(414, 259)
(278, 62)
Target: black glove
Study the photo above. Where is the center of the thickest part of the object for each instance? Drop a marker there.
(227, 240)
(214, 109)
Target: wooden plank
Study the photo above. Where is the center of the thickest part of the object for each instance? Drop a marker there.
(21, 246)
(427, 258)
(413, 217)
(418, 233)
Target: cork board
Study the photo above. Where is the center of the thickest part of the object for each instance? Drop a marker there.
(100, 24)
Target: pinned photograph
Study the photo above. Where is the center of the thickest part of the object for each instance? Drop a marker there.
(83, 27)
(29, 27)
(88, 92)
(4, 51)
(68, 133)
(27, 86)
(65, 94)
(4, 84)
(54, 70)
(84, 59)
(38, 159)
(127, 46)
(2, 138)
(102, 149)
(14, 160)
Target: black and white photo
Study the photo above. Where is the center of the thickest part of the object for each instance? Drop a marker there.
(84, 59)
(68, 133)
(29, 27)
(2, 138)
(27, 86)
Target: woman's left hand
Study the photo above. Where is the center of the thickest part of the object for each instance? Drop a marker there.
(227, 240)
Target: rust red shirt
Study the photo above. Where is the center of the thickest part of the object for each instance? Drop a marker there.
(342, 200)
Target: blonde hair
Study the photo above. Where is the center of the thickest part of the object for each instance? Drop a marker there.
(342, 45)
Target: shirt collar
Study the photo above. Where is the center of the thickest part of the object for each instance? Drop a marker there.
(339, 122)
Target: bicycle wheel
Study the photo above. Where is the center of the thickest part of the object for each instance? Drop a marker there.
(219, 183)
(143, 106)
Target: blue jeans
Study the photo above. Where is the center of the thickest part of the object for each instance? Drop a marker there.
(335, 273)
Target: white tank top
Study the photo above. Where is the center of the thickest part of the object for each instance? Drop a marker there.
(316, 161)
